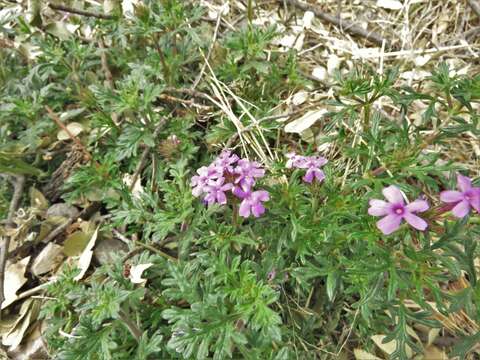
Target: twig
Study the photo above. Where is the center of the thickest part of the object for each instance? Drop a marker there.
(475, 5)
(215, 33)
(85, 213)
(190, 92)
(131, 326)
(80, 12)
(139, 243)
(57, 120)
(184, 102)
(345, 25)
(146, 151)
(108, 73)
(18, 185)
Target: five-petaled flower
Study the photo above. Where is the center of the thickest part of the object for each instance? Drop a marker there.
(311, 163)
(216, 191)
(395, 210)
(247, 172)
(226, 161)
(251, 201)
(206, 174)
(468, 197)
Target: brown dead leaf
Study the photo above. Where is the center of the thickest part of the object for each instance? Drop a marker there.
(434, 353)
(14, 280)
(31, 309)
(86, 257)
(48, 259)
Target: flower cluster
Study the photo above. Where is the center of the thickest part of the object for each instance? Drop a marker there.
(394, 210)
(230, 173)
(311, 163)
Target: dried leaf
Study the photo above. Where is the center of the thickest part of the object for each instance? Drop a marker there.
(74, 128)
(136, 272)
(14, 280)
(86, 257)
(15, 337)
(75, 243)
(390, 346)
(320, 73)
(434, 353)
(333, 63)
(59, 29)
(390, 4)
(37, 199)
(364, 355)
(304, 122)
(300, 97)
(48, 259)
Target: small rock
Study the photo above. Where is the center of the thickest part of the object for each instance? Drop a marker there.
(106, 249)
(62, 209)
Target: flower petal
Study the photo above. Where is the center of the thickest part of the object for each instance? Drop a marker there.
(258, 209)
(238, 192)
(417, 206)
(464, 183)
(261, 195)
(244, 209)
(221, 198)
(461, 209)
(393, 194)
(308, 176)
(475, 201)
(389, 223)
(378, 207)
(319, 175)
(415, 221)
(450, 196)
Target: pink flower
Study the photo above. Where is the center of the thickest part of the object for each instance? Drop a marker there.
(294, 160)
(247, 172)
(226, 160)
(468, 197)
(311, 163)
(395, 210)
(204, 177)
(216, 191)
(252, 201)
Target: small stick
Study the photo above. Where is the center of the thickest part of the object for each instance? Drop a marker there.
(190, 92)
(146, 246)
(475, 5)
(108, 73)
(184, 102)
(202, 71)
(18, 185)
(80, 12)
(146, 151)
(85, 213)
(345, 25)
(57, 120)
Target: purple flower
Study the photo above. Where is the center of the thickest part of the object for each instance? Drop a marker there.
(395, 210)
(247, 172)
(226, 161)
(313, 164)
(468, 197)
(252, 201)
(294, 160)
(216, 191)
(204, 177)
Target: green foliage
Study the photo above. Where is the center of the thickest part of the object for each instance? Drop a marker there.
(283, 286)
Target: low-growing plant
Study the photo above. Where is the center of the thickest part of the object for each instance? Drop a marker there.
(309, 251)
